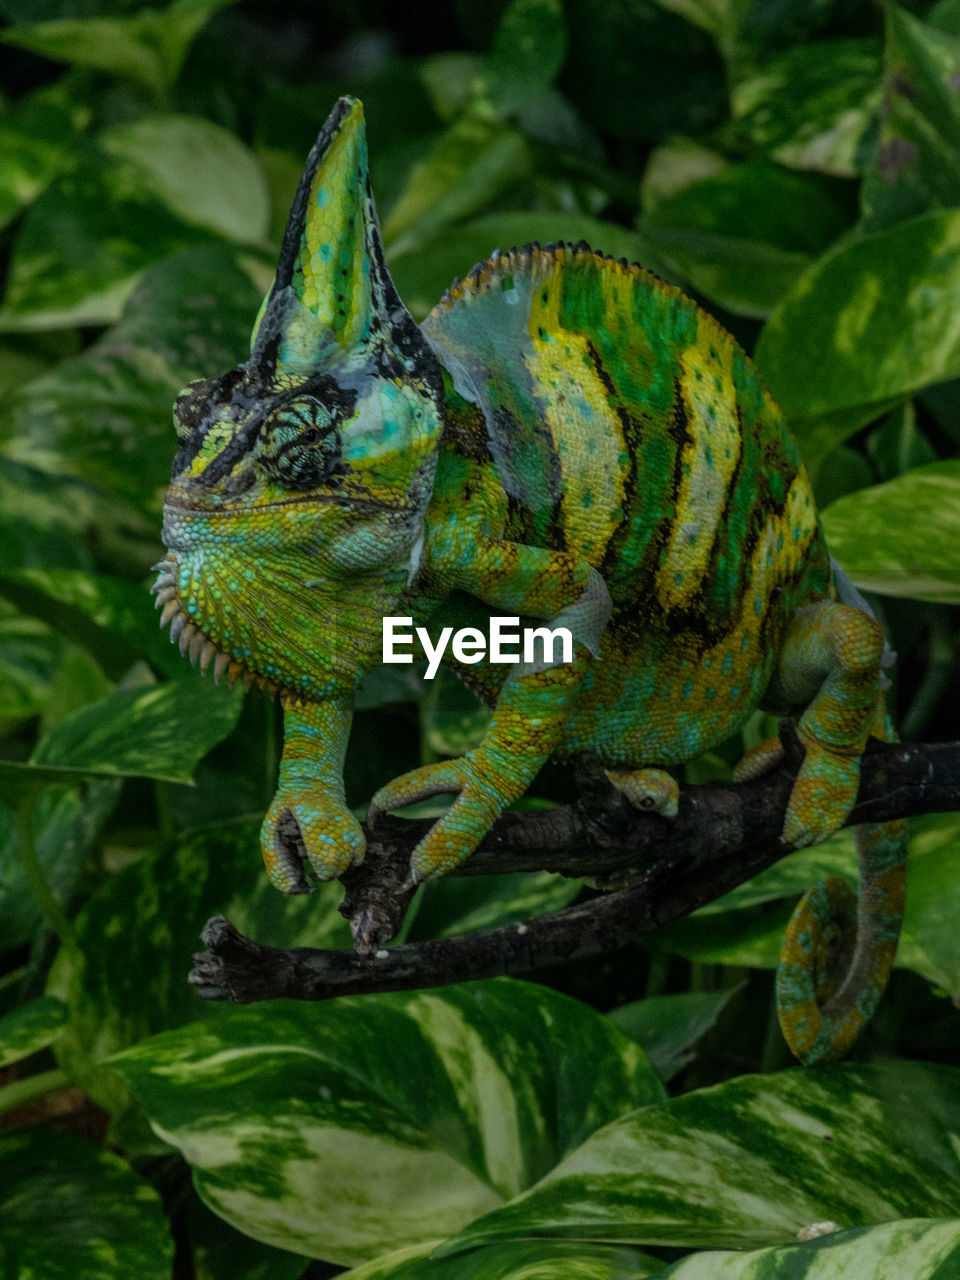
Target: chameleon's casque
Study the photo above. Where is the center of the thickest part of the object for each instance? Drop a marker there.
(565, 438)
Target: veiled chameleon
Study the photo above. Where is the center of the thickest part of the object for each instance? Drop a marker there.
(564, 438)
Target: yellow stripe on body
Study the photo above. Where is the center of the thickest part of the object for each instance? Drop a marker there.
(709, 460)
(586, 431)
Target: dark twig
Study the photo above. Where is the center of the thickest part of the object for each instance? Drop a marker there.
(722, 836)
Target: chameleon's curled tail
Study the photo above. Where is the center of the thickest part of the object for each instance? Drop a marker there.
(825, 994)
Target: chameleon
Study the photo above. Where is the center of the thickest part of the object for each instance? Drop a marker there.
(565, 438)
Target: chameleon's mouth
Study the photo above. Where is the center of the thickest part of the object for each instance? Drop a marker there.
(200, 649)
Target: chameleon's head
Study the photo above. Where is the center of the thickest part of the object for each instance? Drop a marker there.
(295, 512)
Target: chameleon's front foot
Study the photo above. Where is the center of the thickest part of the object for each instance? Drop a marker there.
(453, 837)
(307, 834)
(823, 792)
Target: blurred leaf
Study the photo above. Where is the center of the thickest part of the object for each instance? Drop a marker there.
(918, 159)
(30, 654)
(422, 278)
(485, 1086)
(902, 538)
(219, 1251)
(744, 236)
(70, 1209)
(528, 52)
(639, 73)
(874, 318)
(457, 905)
(125, 977)
(675, 166)
(30, 1028)
(66, 826)
(915, 1247)
(106, 415)
(820, 436)
(200, 171)
(38, 138)
(752, 1161)
(454, 718)
(929, 944)
(160, 732)
(537, 1260)
(469, 166)
(667, 1027)
(149, 45)
(897, 444)
(814, 106)
(114, 619)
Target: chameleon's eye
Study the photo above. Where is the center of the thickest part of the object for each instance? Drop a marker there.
(300, 444)
(189, 405)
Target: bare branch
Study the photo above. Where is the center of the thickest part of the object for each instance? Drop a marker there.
(723, 835)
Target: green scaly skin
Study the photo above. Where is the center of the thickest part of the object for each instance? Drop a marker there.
(566, 439)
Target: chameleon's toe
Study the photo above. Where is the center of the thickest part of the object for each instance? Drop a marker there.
(759, 760)
(305, 823)
(822, 796)
(454, 836)
(650, 789)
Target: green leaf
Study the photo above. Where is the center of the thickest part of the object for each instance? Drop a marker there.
(814, 106)
(744, 235)
(199, 170)
(917, 165)
(422, 278)
(459, 1097)
(542, 1260)
(915, 1247)
(66, 828)
(874, 318)
(114, 619)
(162, 731)
(752, 1161)
(70, 1209)
(675, 166)
(30, 1028)
(928, 944)
(452, 906)
(149, 46)
(30, 654)
(527, 54)
(471, 163)
(125, 977)
(106, 415)
(902, 538)
(37, 141)
(667, 1027)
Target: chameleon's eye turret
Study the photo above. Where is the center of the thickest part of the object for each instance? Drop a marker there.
(189, 407)
(300, 443)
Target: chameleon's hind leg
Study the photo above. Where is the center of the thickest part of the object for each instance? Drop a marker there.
(832, 657)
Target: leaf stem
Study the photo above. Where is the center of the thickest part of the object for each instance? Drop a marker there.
(27, 850)
(20, 1091)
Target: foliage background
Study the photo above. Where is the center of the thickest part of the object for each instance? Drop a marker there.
(793, 163)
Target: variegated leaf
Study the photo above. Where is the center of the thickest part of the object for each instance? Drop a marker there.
(31, 1027)
(71, 1211)
(521, 1260)
(752, 1161)
(374, 1122)
(913, 1249)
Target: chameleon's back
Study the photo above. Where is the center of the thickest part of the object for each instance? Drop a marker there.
(629, 428)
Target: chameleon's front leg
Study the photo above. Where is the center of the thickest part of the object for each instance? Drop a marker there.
(526, 727)
(310, 794)
(533, 706)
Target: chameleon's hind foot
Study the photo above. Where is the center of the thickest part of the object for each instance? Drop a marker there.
(823, 794)
(455, 835)
(653, 790)
(759, 760)
(330, 839)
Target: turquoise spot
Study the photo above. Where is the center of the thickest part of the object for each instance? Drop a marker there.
(325, 252)
(710, 693)
(587, 500)
(758, 606)
(345, 257)
(688, 689)
(734, 693)
(321, 198)
(745, 643)
(727, 664)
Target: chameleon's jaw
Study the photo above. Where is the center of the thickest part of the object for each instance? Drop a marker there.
(200, 648)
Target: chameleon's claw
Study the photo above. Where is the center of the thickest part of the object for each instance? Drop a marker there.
(331, 838)
(453, 837)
